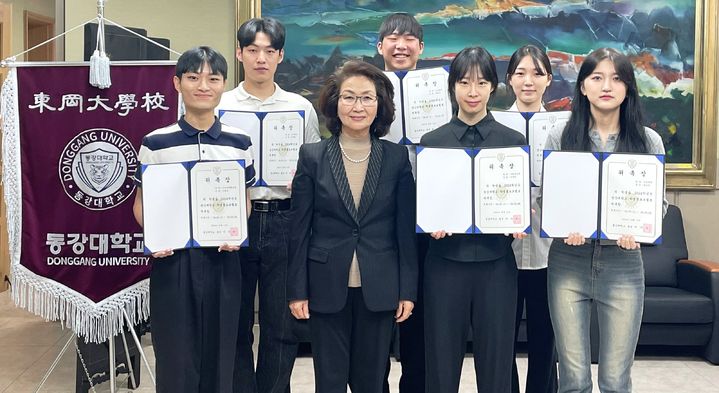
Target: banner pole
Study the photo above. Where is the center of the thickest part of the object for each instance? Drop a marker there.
(139, 346)
(127, 358)
(55, 363)
(111, 354)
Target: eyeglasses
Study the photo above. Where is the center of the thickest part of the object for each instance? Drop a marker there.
(351, 100)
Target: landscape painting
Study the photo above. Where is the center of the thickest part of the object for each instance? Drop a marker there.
(658, 35)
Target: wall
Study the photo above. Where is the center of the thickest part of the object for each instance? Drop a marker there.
(42, 7)
(186, 23)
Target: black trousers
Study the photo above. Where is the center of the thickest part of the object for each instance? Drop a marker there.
(195, 307)
(542, 357)
(411, 332)
(350, 347)
(458, 295)
(264, 270)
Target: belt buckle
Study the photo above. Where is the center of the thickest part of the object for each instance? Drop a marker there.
(261, 206)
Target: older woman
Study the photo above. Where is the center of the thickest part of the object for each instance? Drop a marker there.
(352, 245)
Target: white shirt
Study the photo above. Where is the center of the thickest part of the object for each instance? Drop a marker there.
(531, 252)
(238, 99)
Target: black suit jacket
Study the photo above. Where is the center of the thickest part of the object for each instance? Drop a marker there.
(462, 247)
(327, 228)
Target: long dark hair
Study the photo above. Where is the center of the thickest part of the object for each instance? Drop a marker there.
(631, 129)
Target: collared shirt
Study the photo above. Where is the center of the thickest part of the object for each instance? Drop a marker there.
(238, 99)
(180, 142)
(531, 252)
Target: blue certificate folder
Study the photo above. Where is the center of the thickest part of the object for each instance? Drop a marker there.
(276, 138)
(421, 103)
(194, 204)
(603, 195)
(473, 191)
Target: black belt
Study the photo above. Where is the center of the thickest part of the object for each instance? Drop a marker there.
(271, 206)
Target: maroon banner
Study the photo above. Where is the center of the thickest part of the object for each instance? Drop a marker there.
(78, 152)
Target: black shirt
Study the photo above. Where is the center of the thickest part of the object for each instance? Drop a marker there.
(487, 133)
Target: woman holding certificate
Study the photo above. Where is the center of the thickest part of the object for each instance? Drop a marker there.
(529, 73)
(470, 279)
(353, 264)
(606, 117)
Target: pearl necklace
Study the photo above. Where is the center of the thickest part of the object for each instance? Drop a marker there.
(350, 159)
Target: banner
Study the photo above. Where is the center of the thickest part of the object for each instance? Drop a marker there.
(70, 151)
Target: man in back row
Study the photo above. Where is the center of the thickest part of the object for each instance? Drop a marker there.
(260, 50)
(401, 43)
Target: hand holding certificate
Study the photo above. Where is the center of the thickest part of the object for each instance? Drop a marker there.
(473, 190)
(603, 195)
(194, 204)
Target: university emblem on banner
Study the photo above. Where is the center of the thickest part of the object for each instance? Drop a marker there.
(96, 168)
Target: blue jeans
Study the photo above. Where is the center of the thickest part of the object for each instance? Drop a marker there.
(264, 262)
(613, 278)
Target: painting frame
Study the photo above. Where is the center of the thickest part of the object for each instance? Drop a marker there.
(700, 173)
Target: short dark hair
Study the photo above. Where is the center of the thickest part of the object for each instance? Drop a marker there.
(472, 59)
(538, 56)
(193, 59)
(247, 32)
(329, 97)
(400, 23)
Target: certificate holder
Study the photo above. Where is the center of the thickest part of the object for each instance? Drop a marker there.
(473, 191)
(603, 195)
(277, 137)
(570, 188)
(535, 126)
(633, 198)
(194, 204)
(421, 101)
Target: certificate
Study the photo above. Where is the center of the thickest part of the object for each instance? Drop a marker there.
(277, 137)
(603, 195)
(502, 190)
(396, 129)
(473, 190)
(194, 204)
(535, 126)
(422, 103)
(444, 190)
(218, 203)
(570, 185)
(633, 197)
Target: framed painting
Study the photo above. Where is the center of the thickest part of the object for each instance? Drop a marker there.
(672, 44)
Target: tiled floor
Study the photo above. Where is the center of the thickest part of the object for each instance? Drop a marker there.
(28, 346)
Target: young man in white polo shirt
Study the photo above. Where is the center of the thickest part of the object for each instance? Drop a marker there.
(194, 292)
(260, 50)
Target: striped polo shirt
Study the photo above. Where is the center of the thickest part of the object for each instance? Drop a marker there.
(180, 142)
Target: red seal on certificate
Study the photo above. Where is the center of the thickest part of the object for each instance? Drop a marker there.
(517, 219)
(234, 231)
(647, 228)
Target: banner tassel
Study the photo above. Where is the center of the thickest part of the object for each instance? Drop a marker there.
(99, 62)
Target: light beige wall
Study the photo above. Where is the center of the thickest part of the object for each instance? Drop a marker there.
(701, 217)
(187, 23)
(42, 7)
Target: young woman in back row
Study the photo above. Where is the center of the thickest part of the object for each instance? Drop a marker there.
(606, 117)
(529, 73)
